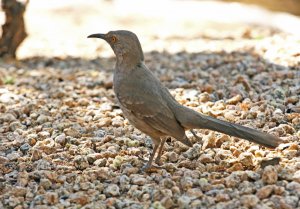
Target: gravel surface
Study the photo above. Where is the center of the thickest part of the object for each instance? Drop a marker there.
(64, 142)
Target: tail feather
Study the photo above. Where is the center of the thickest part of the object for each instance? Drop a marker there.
(191, 119)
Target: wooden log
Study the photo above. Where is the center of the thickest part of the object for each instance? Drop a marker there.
(13, 30)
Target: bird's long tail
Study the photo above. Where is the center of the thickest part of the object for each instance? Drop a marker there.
(191, 119)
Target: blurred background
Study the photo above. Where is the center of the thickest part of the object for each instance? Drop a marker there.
(59, 28)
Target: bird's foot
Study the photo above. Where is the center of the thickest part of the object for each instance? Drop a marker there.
(150, 169)
(157, 161)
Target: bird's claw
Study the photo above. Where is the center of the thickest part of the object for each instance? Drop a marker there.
(150, 168)
(157, 161)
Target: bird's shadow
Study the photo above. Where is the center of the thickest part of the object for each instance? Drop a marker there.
(221, 74)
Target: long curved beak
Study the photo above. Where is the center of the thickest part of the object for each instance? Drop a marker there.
(97, 35)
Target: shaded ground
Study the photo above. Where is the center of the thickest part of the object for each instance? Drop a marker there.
(65, 143)
(290, 6)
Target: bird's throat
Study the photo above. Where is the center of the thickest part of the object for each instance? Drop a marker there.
(128, 62)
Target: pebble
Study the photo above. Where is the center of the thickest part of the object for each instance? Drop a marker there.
(265, 191)
(221, 197)
(206, 158)
(233, 180)
(230, 116)
(100, 162)
(112, 190)
(291, 201)
(3, 159)
(193, 152)
(44, 134)
(183, 202)
(7, 117)
(157, 205)
(204, 184)
(13, 201)
(249, 201)
(296, 176)
(80, 198)
(36, 155)
(13, 156)
(209, 141)
(167, 183)
(138, 180)
(117, 122)
(81, 162)
(234, 100)
(91, 158)
(236, 167)
(15, 125)
(173, 156)
(9, 98)
(194, 193)
(24, 148)
(45, 183)
(269, 175)
(117, 162)
(246, 158)
(103, 122)
(19, 191)
(32, 139)
(42, 119)
(43, 164)
(83, 102)
(72, 132)
(186, 183)
(167, 202)
(204, 97)
(278, 202)
(124, 181)
(221, 140)
(51, 198)
(61, 139)
(293, 187)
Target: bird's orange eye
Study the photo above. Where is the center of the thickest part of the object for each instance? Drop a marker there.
(113, 39)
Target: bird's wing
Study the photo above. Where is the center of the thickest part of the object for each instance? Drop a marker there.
(152, 109)
(145, 100)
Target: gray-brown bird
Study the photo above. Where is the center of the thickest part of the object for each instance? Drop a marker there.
(150, 107)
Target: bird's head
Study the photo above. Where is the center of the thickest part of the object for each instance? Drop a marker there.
(125, 45)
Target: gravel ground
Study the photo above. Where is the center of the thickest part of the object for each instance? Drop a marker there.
(64, 142)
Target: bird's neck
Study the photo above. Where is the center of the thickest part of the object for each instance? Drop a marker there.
(129, 61)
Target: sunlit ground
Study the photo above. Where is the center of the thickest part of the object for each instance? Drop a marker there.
(59, 28)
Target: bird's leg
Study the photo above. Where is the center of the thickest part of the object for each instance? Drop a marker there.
(156, 145)
(195, 135)
(157, 160)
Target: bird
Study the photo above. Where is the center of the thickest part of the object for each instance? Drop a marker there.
(149, 106)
